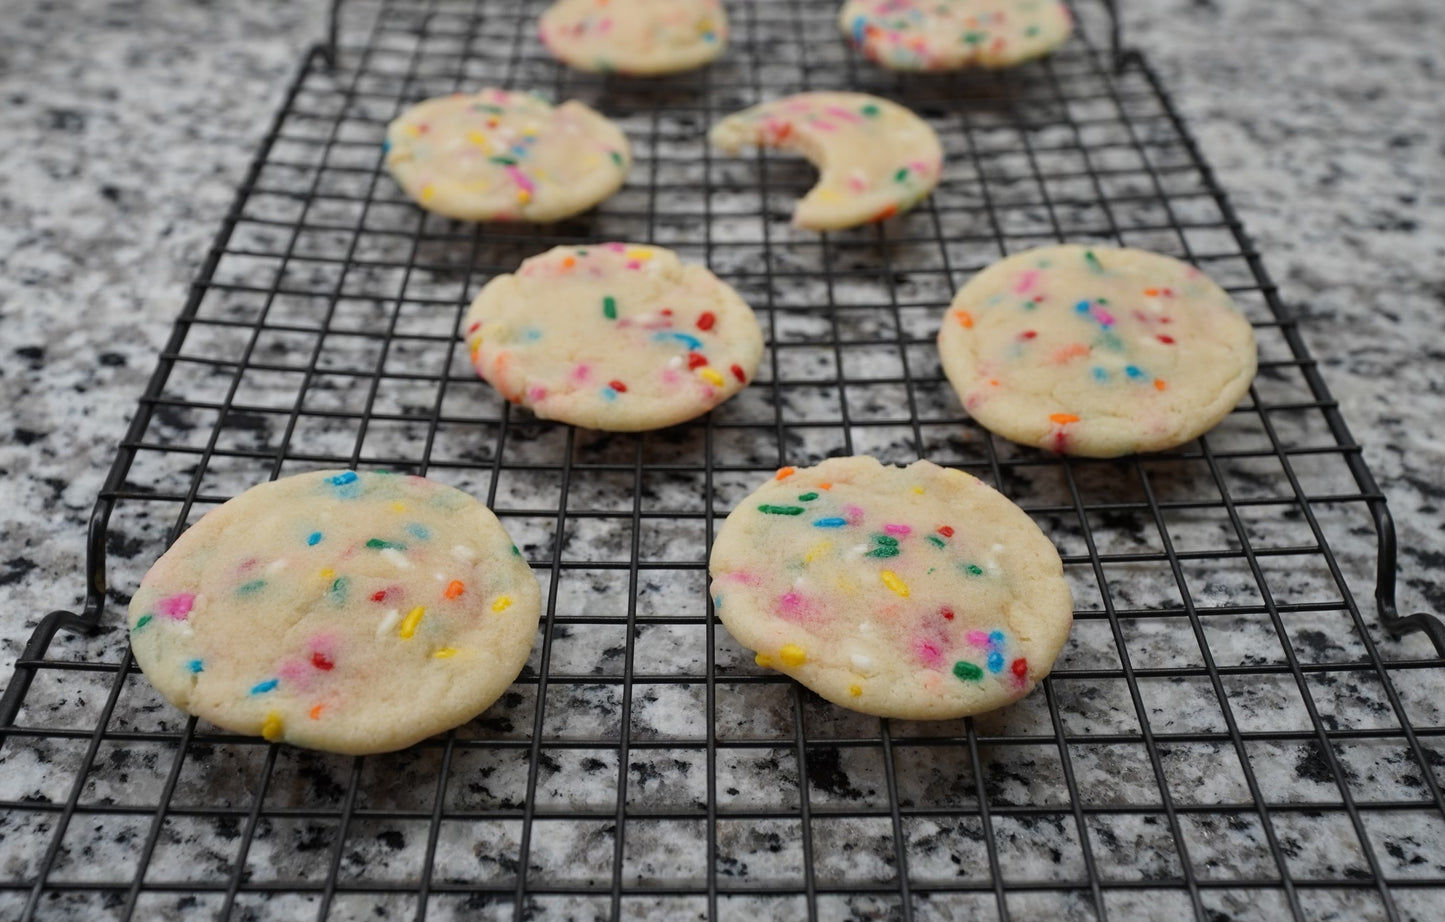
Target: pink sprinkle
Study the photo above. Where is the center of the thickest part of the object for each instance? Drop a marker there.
(669, 376)
(919, 166)
(178, 606)
(853, 513)
(928, 653)
(901, 531)
(793, 607)
(978, 638)
(521, 180)
(634, 264)
(581, 373)
(604, 25)
(616, 247)
(1104, 316)
(1026, 281)
(744, 577)
(822, 125)
(844, 114)
(536, 393)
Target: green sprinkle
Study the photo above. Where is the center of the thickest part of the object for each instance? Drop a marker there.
(609, 307)
(884, 551)
(255, 585)
(973, 569)
(870, 110)
(807, 497)
(968, 672)
(377, 544)
(495, 110)
(338, 588)
(515, 552)
(505, 161)
(1093, 261)
(935, 541)
(1031, 31)
(142, 622)
(889, 540)
(901, 175)
(616, 157)
(780, 510)
(973, 38)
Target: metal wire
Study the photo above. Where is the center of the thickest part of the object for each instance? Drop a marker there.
(1227, 735)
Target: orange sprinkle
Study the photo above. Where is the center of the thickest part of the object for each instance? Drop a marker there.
(964, 318)
(1151, 292)
(455, 588)
(785, 473)
(569, 262)
(1063, 419)
(993, 382)
(1064, 353)
(825, 486)
(886, 213)
(1159, 384)
(315, 713)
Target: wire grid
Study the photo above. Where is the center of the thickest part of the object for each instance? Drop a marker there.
(1221, 738)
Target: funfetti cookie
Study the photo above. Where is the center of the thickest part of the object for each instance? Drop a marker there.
(345, 611)
(638, 37)
(614, 336)
(936, 35)
(876, 158)
(1096, 351)
(916, 592)
(496, 155)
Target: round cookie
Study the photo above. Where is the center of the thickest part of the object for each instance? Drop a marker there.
(876, 158)
(1096, 351)
(343, 611)
(937, 35)
(639, 37)
(494, 155)
(613, 336)
(915, 592)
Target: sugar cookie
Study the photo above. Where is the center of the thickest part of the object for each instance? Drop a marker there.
(914, 592)
(1096, 351)
(336, 610)
(938, 35)
(638, 37)
(613, 336)
(876, 158)
(495, 155)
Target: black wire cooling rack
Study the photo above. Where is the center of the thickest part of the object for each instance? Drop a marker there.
(1226, 736)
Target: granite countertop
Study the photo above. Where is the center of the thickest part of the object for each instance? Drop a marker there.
(129, 124)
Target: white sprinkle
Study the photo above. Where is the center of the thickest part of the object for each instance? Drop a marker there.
(396, 558)
(866, 627)
(860, 661)
(388, 621)
(462, 552)
(997, 548)
(675, 362)
(277, 565)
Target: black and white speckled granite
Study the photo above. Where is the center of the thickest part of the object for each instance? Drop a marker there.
(129, 125)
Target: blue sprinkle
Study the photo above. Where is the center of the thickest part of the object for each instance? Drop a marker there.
(1082, 307)
(860, 29)
(830, 523)
(709, 36)
(1133, 371)
(1100, 374)
(260, 688)
(531, 335)
(385, 147)
(995, 638)
(519, 149)
(196, 665)
(608, 393)
(995, 661)
(313, 539)
(717, 601)
(347, 485)
(343, 478)
(691, 342)
(419, 530)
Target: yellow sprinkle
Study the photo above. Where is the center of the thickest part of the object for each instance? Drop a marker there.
(409, 623)
(479, 139)
(413, 130)
(397, 507)
(710, 375)
(523, 196)
(476, 347)
(503, 603)
(445, 653)
(427, 192)
(792, 655)
(271, 727)
(828, 195)
(891, 580)
(639, 253)
(328, 573)
(855, 690)
(764, 661)
(918, 490)
(819, 549)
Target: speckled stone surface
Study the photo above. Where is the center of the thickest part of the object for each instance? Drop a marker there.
(129, 125)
